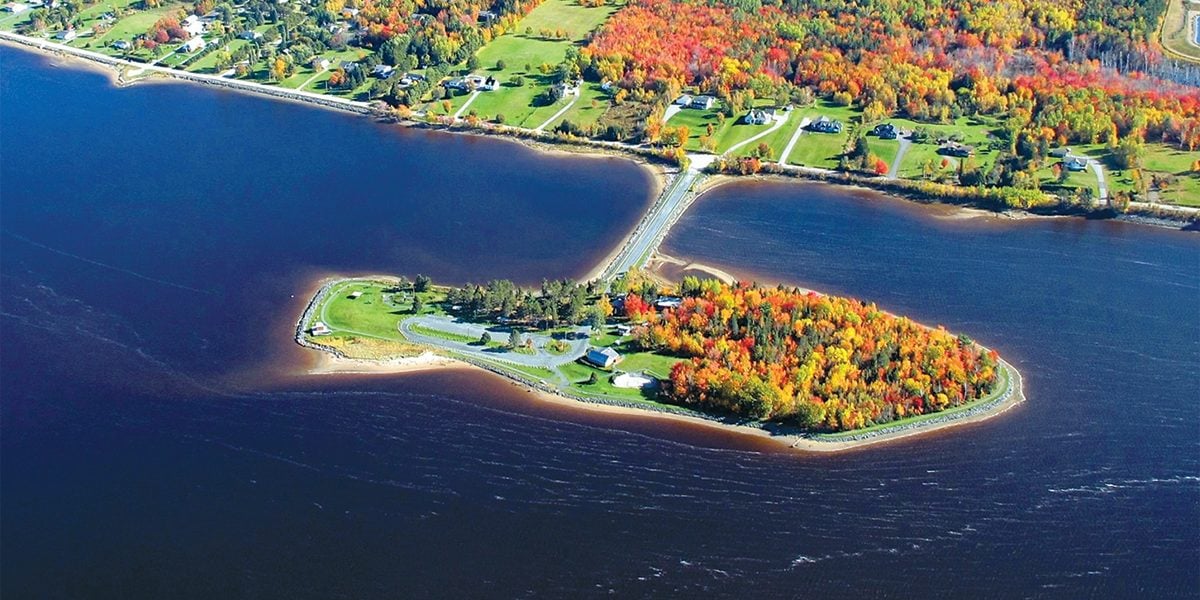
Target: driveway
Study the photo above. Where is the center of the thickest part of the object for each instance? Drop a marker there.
(541, 357)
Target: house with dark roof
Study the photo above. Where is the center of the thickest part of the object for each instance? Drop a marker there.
(824, 124)
(886, 131)
(957, 150)
(1075, 163)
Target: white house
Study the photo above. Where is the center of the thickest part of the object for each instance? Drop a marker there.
(320, 328)
(684, 100)
(249, 35)
(383, 71)
(602, 357)
(192, 45)
(122, 45)
(193, 25)
(760, 116)
(16, 8)
(703, 102)
(66, 35)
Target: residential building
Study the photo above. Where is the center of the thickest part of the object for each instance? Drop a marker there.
(684, 100)
(192, 45)
(824, 124)
(703, 102)
(886, 131)
(66, 35)
(604, 358)
(759, 116)
(1075, 163)
(383, 71)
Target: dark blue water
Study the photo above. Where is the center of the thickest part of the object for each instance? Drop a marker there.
(157, 441)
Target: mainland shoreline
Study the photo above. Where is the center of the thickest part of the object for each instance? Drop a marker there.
(536, 140)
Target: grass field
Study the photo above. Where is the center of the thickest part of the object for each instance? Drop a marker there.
(519, 50)
(125, 28)
(822, 149)
(1081, 179)
(974, 132)
(776, 140)
(1159, 159)
(727, 133)
(370, 314)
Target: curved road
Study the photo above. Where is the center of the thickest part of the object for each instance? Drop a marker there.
(541, 358)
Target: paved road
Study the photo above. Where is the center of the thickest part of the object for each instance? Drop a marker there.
(328, 100)
(655, 224)
(1103, 183)
(541, 358)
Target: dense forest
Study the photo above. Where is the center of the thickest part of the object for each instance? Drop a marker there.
(820, 362)
(1059, 71)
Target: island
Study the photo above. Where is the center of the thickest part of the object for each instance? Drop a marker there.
(813, 371)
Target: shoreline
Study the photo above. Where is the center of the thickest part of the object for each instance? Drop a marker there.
(330, 361)
(536, 140)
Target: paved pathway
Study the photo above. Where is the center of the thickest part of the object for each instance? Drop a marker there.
(787, 150)
(905, 144)
(779, 121)
(541, 358)
(463, 108)
(561, 111)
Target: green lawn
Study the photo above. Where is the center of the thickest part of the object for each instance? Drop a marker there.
(126, 28)
(369, 314)
(776, 140)
(823, 149)
(517, 49)
(1159, 159)
(1075, 180)
(335, 59)
(592, 104)
(577, 20)
(974, 132)
(208, 63)
(655, 364)
(727, 133)
(578, 373)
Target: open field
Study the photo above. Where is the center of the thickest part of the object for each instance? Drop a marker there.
(727, 132)
(521, 54)
(1074, 180)
(776, 140)
(1161, 160)
(971, 131)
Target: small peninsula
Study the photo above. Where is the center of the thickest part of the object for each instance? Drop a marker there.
(814, 371)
